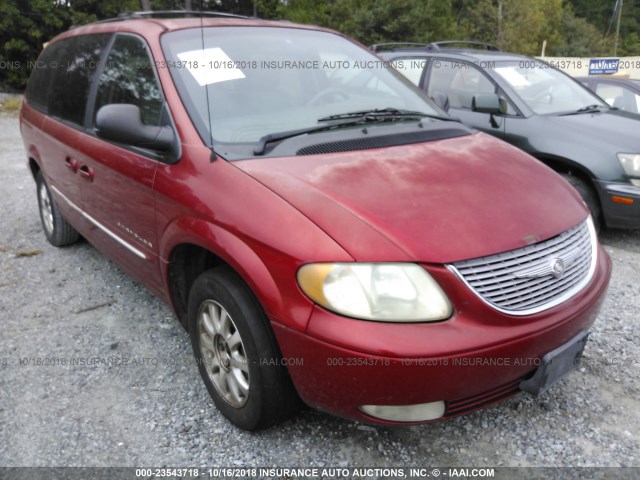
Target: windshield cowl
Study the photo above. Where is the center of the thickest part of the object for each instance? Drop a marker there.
(366, 118)
(348, 138)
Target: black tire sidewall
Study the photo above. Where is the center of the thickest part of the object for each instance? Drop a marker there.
(63, 233)
(265, 377)
(52, 237)
(589, 196)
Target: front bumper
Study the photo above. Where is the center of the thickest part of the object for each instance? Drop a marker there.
(474, 359)
(620, 204)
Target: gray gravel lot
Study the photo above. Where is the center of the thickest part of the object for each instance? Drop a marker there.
(73, 303)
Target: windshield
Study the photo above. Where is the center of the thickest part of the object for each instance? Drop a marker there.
(544, 89)
(248, 82)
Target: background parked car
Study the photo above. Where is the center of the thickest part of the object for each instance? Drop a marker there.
(622, 93)
(539, 109)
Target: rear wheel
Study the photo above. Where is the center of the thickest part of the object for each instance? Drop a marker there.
(236, 352)
(58, 231)
(589, 196)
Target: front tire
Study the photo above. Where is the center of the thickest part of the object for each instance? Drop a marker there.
(236, 352)
(589, 196)
(58, 231)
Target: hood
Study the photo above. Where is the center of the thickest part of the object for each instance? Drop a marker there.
(434, 202)
(617, 130)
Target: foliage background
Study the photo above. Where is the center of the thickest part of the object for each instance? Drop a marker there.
(570, 27)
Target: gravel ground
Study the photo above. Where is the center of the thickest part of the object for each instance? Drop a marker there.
(74, 303)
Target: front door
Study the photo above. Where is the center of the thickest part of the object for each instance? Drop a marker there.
(456, 83)
(117, 180)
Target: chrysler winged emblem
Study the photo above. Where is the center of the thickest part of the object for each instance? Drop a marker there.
(552, 266)
(557, 267)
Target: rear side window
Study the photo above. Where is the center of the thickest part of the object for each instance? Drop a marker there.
(75, 62)
(129, 77)
(41, 76)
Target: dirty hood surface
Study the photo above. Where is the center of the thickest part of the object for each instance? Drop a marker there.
(433, 202)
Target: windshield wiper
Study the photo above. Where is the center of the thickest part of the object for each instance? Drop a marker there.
(384, 113)
(277, 136)
(587, 109)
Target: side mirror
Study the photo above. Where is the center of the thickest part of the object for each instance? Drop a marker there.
(488, 103)
(122, 123)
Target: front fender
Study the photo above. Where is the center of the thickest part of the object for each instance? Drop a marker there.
(273, 285)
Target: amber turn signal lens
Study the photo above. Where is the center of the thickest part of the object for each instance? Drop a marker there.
(623, 200)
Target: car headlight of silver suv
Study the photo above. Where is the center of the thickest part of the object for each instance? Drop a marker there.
(631, 164)
(386, 292)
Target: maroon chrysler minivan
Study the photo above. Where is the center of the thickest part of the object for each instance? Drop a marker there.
(326, 234)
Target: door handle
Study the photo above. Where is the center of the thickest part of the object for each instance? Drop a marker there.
(86, 173)
(71, 164)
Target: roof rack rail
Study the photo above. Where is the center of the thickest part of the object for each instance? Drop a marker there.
(470, 43)
(169, 14)
(376, 47)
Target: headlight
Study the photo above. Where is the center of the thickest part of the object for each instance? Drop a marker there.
(386, 292)
(631, 164)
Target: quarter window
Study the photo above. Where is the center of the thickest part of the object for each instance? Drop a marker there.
(129, 77)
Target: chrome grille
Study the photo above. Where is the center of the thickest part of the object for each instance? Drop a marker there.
(536, 277)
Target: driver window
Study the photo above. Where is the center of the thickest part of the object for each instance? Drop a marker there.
(128, 77)
(458, 82)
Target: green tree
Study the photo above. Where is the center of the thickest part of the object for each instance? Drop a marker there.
(580, 38)
(376, 21)
(570, 27)
(25, 25)
(401, 20)
(514, 25)
(601, 15)
(522, 27)
(309, 12)
(87, 11)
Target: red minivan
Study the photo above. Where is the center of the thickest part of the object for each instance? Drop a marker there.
(326, 234)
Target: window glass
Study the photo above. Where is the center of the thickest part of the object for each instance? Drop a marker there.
(242, 83)
(76, 59)
(619, 97)
(457, 82)
(411, 68)
(128, 77)
(41, 76)
(544, 89)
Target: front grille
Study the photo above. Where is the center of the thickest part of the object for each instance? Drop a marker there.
(536, 277)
